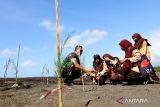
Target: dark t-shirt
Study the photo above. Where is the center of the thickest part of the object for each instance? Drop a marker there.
(68, 68)
(73, 56)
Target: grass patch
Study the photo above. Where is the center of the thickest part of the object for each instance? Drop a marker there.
(157, 68)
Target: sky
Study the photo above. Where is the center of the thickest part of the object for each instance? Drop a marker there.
(98, 25)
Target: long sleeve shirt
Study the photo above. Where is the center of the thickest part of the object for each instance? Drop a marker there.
(136, 56)
(144, 50)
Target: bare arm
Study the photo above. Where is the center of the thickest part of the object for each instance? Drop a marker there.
(80, 67)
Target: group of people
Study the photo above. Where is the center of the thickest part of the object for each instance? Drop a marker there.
(135, 67)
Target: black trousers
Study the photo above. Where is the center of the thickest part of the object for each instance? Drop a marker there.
(74, 75)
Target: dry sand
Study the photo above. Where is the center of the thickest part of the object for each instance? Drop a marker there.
(91, 96)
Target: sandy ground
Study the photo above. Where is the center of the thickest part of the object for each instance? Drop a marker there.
(92, 95)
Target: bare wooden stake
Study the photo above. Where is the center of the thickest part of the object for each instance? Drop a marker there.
(58, 54)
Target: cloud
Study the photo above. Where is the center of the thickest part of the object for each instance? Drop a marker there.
(74, 40)
(50, 26)
(29, 63)
(93, 36)
(7, 52)
(154, 39)
(11, 52)
(87, 37)
(47, 24)
(25, 49)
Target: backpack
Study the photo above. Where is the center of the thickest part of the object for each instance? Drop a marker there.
(145, 66)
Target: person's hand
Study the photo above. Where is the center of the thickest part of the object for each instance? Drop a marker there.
(88, 72)
(98, 76)
(102, 72)
(93, 75)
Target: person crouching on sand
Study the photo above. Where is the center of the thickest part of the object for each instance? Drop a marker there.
(71, 68)
(112, 64)
(142, 45)
(127, 70)
(99, 70)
